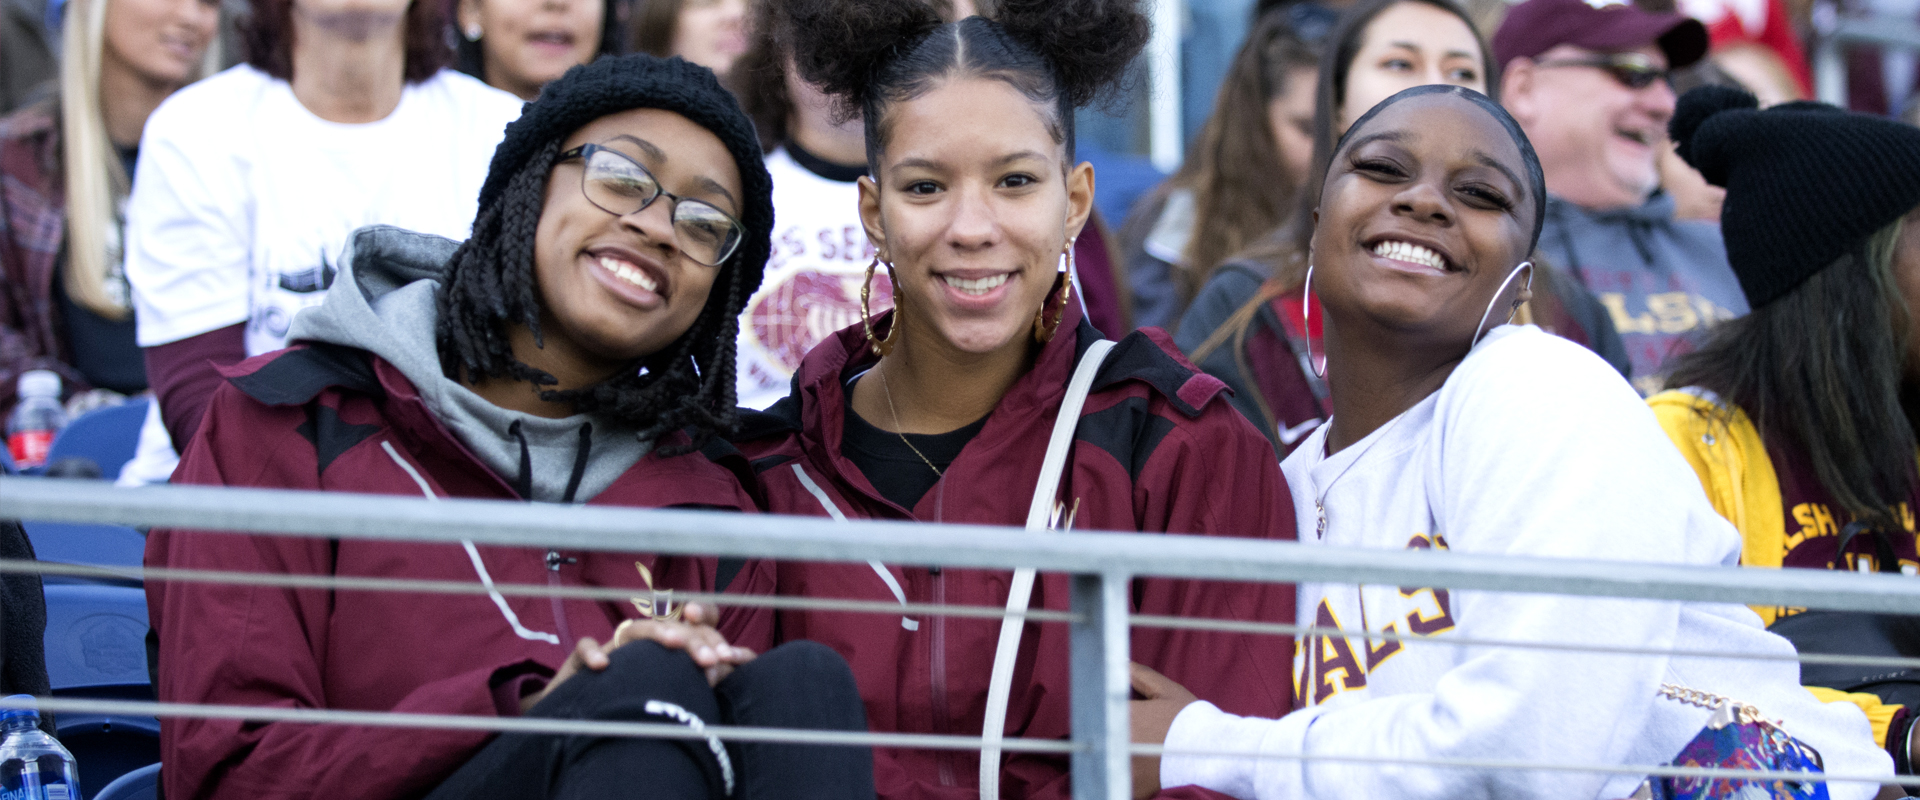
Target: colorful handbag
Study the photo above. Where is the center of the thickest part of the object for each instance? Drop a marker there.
(1736, 737)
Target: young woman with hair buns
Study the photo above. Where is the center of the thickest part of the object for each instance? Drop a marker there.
(946, 409)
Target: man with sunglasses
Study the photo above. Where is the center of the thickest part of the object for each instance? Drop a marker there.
(1587, 79)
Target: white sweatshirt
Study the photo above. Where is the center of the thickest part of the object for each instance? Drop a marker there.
(1534, 447)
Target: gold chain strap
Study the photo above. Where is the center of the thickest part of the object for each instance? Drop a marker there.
(1725, 709)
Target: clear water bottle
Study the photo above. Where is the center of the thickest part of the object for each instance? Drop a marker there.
(35, 420)
(33, 765)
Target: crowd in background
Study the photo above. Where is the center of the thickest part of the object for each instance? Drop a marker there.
(184, 189)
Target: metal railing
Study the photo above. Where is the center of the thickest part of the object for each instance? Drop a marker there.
(1834, 33)
(1102, 566)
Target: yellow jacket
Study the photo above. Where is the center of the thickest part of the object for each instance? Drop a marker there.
(1725, 449)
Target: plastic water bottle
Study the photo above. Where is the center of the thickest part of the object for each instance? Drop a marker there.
(35, 420)
(33, 765)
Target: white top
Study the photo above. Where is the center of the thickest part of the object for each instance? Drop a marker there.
(812, 285)
(244, 198)
(1534, 447)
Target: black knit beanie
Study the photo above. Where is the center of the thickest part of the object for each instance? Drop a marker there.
(614, 84)
(1806, 182)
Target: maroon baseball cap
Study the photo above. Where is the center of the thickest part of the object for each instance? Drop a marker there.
(1536, 26)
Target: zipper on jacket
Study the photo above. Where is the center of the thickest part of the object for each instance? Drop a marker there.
(554, 562)
(937, 665)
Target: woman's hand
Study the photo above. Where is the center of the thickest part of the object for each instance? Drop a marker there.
(1151, 719)
(695, 634)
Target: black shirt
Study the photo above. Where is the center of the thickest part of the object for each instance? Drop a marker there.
(104, 350)
(891, 466)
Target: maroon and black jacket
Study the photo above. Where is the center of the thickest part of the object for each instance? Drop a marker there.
(1157, 449)
(320, 417)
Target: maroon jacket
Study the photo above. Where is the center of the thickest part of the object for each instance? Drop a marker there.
(1157, 449)
(318, 417)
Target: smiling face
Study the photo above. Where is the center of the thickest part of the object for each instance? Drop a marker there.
(530, 42)
(1424, 215)
(615, 289)
(160, 41)
(973, 208)
(1407, 45)
(1598, 139)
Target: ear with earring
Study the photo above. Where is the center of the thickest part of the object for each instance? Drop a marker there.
(1481, 331)
(881, 347)
(1044, 328)
(472, 32)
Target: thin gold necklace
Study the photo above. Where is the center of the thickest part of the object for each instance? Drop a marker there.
(888, 390)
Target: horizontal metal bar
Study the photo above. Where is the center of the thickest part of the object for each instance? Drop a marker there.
(1283, 629)
(543, 725)
(360, 583)
(1892, 32)
(1635, 770)
(647, 730)
(393, 518)
(882, 607)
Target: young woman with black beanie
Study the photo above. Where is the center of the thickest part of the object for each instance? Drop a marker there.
(1454, 431)
(1800, 417)
(946, 409)
(578, 349)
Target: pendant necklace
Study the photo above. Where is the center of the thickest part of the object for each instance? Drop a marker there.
(1320, 494)
(888, 391)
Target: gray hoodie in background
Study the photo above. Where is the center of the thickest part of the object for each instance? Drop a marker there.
(1664, 281)
(393, 317)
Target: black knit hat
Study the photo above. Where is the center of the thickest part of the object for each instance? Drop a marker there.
(611, 85)
(1806, 182)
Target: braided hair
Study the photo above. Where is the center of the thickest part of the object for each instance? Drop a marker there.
(489, 285)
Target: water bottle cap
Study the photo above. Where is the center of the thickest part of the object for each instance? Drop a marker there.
(10, 714)
(40, 382)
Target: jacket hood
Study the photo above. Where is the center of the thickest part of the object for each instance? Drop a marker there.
(384, 302)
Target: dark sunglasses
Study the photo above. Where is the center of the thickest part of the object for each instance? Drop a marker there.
(619, 185)
(1632, 70)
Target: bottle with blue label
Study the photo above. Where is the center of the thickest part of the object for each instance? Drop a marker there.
(33, 765)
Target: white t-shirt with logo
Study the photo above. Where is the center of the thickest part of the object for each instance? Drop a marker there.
(244, 198)
(812, 283)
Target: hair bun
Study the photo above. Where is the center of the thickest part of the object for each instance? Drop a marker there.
(839, 44)
(1694, 110)
(1090, 43)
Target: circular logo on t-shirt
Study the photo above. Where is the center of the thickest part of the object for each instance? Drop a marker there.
(808, 307)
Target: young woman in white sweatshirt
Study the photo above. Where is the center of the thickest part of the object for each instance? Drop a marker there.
(1454, 431)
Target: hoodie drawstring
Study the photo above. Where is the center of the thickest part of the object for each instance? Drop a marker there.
(523, 484)
(579, 460)
(473, 553)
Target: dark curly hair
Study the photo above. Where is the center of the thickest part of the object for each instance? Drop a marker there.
(490, 285)
(874, 53)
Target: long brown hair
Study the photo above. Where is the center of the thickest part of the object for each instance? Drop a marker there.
(1823, 369)
(267, 36)
(1235, 170)
(653, 27)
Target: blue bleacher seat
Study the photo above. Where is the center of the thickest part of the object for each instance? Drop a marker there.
(102, 545)
(106, 436)
(140, 784)
(96, 648)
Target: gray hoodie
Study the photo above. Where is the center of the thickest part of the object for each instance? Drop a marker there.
(393, 317)
(1664, 281)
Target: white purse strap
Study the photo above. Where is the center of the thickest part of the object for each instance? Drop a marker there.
(1021, 591)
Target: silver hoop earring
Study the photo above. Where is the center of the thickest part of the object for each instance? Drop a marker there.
(1481, 332)
(1318, 366)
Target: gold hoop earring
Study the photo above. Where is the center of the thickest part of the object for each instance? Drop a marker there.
(1044, 329)
(881, 347)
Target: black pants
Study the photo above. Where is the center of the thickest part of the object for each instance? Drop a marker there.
(796, 685)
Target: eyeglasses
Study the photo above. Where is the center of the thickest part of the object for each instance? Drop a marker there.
(1632, 70)
(619, 185)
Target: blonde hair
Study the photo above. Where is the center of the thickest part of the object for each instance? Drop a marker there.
(96, 181)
